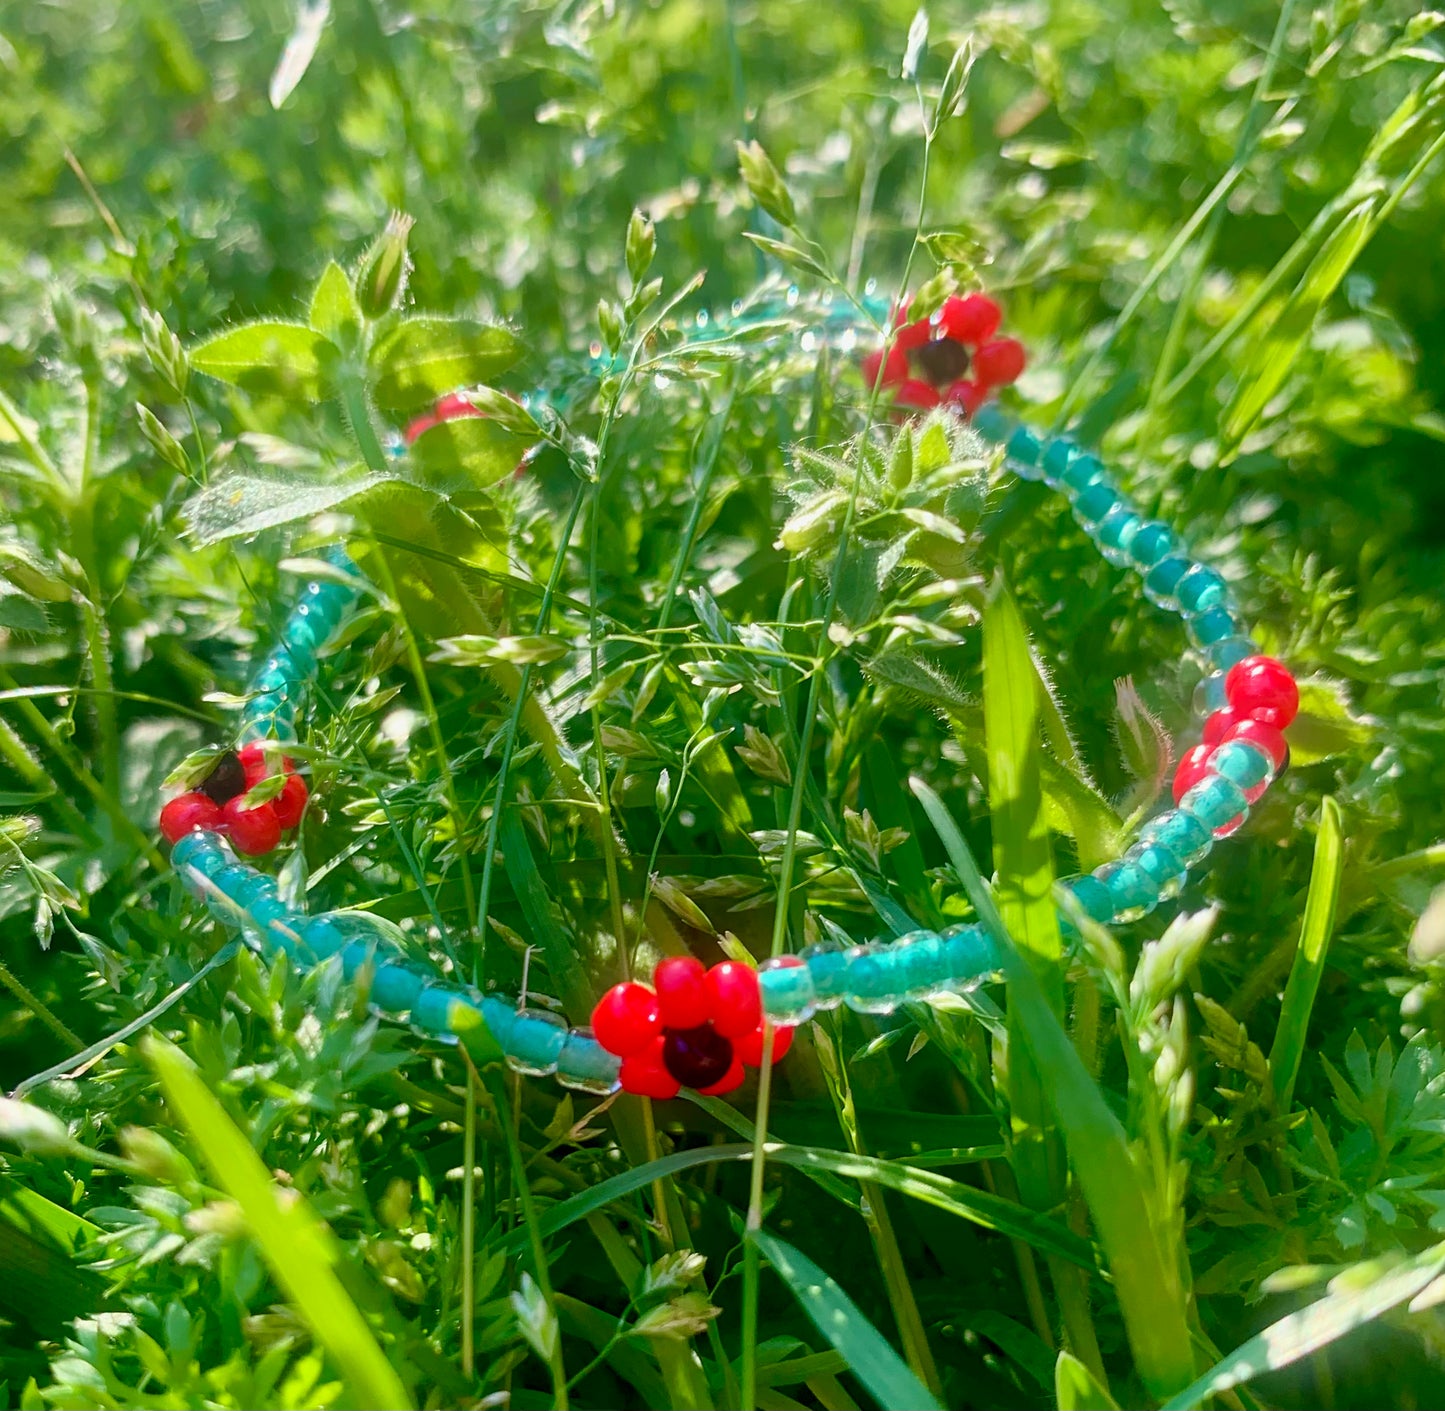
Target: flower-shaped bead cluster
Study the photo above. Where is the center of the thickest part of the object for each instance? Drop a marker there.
(951, 358)
(218, 803)
(694, 1028)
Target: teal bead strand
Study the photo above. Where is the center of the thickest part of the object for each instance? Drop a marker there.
(585, 1066)
(1133, 892)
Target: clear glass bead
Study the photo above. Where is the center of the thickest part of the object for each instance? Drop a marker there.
(785, 986)
(827, 963)
(874, 983)
(971, 957)
(1166, 871)
(1134, 894)
(1115, 533)
(585, 1066)
(1161, 581)
(535, 1043)
(1094, 502)
(1181, 833)
(1152, 542)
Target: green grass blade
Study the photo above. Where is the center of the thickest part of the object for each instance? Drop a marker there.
(1015, 792)
(296, 1246)
(1321, 1323)
(1277, 347)
(1309, 959)
(1075, 1388)
(979, 1207)
(837, 1318)
(1146, 1274)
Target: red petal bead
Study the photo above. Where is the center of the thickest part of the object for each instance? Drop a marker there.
(920, 395)
(254, 761)
(419, 427)
(967, 395)
(252, 831)
(1218, 725)
(1263, 689)
(643, 1073)
(1192, 768)
(1266, 737)
(749, 1048)
(682, 993)
(454, 405)
(290, 803)
(626, 1020)
(1000, 362)
(187, 813)
(972, 319)
(913, 335)
(895, 370)
(733, 1078)
(737, 1007)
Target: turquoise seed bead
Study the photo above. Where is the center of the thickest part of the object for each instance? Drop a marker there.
(1216, 802)
(499, 1015)
(585, 1065)
(971, 957)
(1182, 834)
(1161, 580)
(1115, 533)
(395, 986)
(536, 1042)
(357, 953)
(1091, 894)
(993, 423)
(302, 643)
(828, 965)
(322, 936)
(260, 926)
(921, 964)
(1210, 695)
(1211, 626)
(1024, 450)
(337, 557)
(1228, 651)
(874, 979)
(1152, 542)
(250, 891)
(198, 853)
(1094, 503)
(273, 680)
(315, 621)
(1241, 763)
(1060, 452)
(431, 1010)
(786, 988)
(1134, 893)
(1160, 866)
(1084, 471)
(1202, 589)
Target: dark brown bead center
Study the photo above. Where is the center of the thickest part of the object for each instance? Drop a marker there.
(941, 362)
(226, 780)
(697, 1058)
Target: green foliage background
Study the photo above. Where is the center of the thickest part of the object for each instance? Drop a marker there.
(143, 167)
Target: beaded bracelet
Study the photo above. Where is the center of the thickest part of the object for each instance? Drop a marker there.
(702, 1028)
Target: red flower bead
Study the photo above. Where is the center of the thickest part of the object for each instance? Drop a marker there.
(1266, 737)
(733, 1078)
(737, 1007)
(188, 812)
(894, 371)
(290, 803)
(917, 393)
(626, 1020)
(252, 831)
(254, 762)
(1000, 362)
(1192, 768)
(749, 1048)
(1263, 689)
(1220, 723)
(967, 395)
(682, 993)
(974, 318)
(643, 1073)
